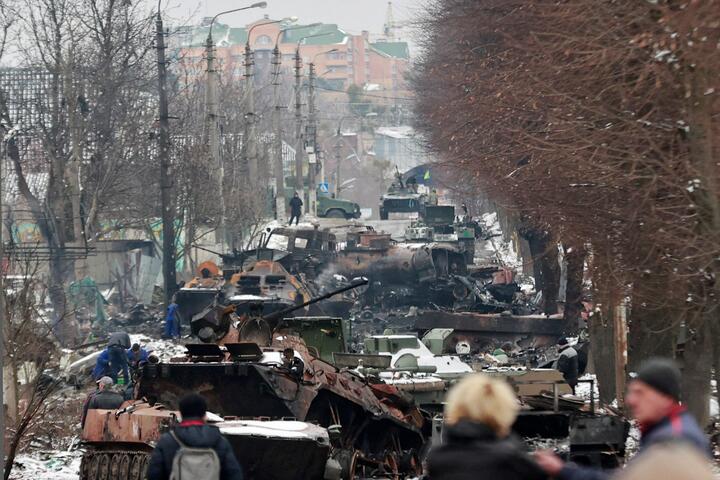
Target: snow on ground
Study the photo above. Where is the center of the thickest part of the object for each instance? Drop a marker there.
(47, 465)
(164, 349)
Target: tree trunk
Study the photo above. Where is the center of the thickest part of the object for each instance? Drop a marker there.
(575, 258)
(602, 348)
(650, 334)
(698, 360)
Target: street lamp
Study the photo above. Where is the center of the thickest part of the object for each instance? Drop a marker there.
(254, 5)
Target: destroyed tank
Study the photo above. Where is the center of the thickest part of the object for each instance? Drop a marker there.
(330, 423)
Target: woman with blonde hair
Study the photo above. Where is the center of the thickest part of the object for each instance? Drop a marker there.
(479, 414)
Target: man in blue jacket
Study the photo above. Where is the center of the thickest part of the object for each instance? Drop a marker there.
(653, 397)
(193, 432)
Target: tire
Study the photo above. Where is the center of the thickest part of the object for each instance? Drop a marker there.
(335, 213)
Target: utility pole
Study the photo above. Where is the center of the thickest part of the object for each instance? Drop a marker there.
(166, 201)
(299, 142)
(277, 128)
(338, 149)
(212, 118)
(2, 315)
(249, 145)
(312, 140)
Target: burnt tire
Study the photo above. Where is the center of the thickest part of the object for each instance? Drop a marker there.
(335, 213)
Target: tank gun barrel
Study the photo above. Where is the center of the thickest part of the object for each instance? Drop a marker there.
(281, 313)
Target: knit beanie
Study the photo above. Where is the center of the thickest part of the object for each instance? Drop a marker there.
(662, 374)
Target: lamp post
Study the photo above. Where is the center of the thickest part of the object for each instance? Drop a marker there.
(212, 116)
(277, 127)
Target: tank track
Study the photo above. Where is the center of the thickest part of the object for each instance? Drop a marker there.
(114, 465)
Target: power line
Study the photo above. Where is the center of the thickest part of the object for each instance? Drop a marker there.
(367, 94)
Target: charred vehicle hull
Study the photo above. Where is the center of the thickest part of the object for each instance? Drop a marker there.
(119, 445)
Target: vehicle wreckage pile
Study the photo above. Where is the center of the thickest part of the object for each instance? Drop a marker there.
(382, 329)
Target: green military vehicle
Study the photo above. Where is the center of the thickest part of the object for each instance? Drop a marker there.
(330, 207)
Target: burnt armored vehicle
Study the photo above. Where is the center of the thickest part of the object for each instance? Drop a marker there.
(324, 423)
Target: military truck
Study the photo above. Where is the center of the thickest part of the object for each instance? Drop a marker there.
(329, 207)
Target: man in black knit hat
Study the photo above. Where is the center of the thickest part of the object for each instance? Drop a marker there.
(653, 397)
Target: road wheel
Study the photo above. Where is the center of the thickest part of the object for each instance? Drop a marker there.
(124, 467)
(136, 464)
(103, 467)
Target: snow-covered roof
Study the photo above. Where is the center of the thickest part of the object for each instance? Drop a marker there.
(396, 132)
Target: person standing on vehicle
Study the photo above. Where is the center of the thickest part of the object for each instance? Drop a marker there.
(193, 449)
(567, 363)
(295, 208)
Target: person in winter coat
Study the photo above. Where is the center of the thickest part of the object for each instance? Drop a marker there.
(567, 363)
(653, 397)
(104, 398)
(295, 209)
(102, 365)
(671, 461)
(479, 413)
(193, 432)
(117, 347)
(172, 321)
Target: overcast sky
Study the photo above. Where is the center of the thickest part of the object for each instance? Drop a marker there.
(351, 15)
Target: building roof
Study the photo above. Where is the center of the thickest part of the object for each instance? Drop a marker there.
(392, 49)
(323, 34)
(225, 36)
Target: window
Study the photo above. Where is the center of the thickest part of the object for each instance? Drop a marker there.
(263, 40)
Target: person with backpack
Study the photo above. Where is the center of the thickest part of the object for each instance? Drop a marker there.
(193, 449)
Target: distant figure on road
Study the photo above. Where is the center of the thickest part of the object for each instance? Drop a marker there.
(172, 321)
(653, 397)
(479, 413)
(567, 363)
(193, 449)
(433, 197)
(104, 398)
(295, 208)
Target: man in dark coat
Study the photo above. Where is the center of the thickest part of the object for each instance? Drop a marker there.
(295, 209)
(567, 363)
(117, 347)
(195, 433)
(472, 450)
(295, 366)
(104, 398)
(653, 397)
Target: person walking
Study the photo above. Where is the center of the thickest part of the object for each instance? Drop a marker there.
(104, 398)
(653, 397)
(172, 321)
(479, 413)
(567, 363)
(295, 208)
(193, 449)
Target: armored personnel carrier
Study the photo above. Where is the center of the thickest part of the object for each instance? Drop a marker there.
(324, 423)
